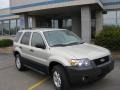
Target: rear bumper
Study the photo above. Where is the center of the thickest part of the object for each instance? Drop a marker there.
(77, 75)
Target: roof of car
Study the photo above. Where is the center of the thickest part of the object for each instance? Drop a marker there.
(40, 29)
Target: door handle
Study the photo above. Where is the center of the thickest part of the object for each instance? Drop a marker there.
(31, 50)
(20, 47)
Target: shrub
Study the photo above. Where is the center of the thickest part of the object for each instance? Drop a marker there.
(6, 43)
(109, 38)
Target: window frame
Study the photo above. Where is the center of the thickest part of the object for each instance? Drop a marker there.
(42, 39)
(23, 36)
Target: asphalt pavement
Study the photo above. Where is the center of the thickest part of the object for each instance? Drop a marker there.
(12, 79)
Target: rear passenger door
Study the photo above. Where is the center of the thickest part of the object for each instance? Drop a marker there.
(25, 45)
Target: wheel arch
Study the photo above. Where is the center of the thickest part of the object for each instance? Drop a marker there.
(16, 53)
(54, 63)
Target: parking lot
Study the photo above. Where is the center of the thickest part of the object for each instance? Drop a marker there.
(11, 79)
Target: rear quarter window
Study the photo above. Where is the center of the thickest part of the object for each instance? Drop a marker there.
(18, 36)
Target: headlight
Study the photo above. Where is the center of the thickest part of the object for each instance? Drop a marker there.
(80, 62)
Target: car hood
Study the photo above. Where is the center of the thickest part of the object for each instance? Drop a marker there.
(81, 51)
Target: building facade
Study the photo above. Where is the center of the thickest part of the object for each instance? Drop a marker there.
(112, 17)
(83, 17)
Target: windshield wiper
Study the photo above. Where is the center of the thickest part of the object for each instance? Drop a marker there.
(75, 43)
(57, 45)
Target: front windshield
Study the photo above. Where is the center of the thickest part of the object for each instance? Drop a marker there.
(61, 38)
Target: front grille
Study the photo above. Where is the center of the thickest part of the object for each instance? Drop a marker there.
(101, 60)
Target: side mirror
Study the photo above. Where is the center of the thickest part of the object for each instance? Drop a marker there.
(40, 46)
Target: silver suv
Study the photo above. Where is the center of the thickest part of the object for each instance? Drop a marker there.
(61, 54)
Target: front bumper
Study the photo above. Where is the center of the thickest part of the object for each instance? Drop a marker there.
(77, 75)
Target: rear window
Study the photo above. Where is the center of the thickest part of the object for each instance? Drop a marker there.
(18, 36)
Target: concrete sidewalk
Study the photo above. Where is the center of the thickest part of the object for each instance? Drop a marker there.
(116, 55)
(6, 50)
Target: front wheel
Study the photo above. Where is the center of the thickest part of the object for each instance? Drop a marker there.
(60, 79)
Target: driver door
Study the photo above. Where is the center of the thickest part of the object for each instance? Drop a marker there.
(38, 55)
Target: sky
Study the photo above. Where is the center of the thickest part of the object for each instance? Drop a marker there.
(4, 4)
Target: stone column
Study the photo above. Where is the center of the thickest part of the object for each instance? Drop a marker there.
(86, 24)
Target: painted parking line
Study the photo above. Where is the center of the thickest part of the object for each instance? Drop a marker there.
(33, 87)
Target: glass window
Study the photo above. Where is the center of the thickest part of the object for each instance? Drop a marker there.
(118, 17)
(37, 40)
(30, 22)
(0, 27)
(13, 27)
(18, 36)
(18, 24)
(67, 24)
(26, 38)
(62, 38)
(109, 18)
(112, 18)
(6, 27)
(54, 23)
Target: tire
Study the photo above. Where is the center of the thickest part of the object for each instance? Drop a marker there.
(61, 81)
(19, 64)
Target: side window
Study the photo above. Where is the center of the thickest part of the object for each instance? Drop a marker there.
(18, 36)
(26, 37)
(37, 40)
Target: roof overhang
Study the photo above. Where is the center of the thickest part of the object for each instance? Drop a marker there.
(62, 3)
(111, 7)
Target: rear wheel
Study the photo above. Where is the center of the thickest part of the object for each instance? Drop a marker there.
(18, 63)
(60, 79)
